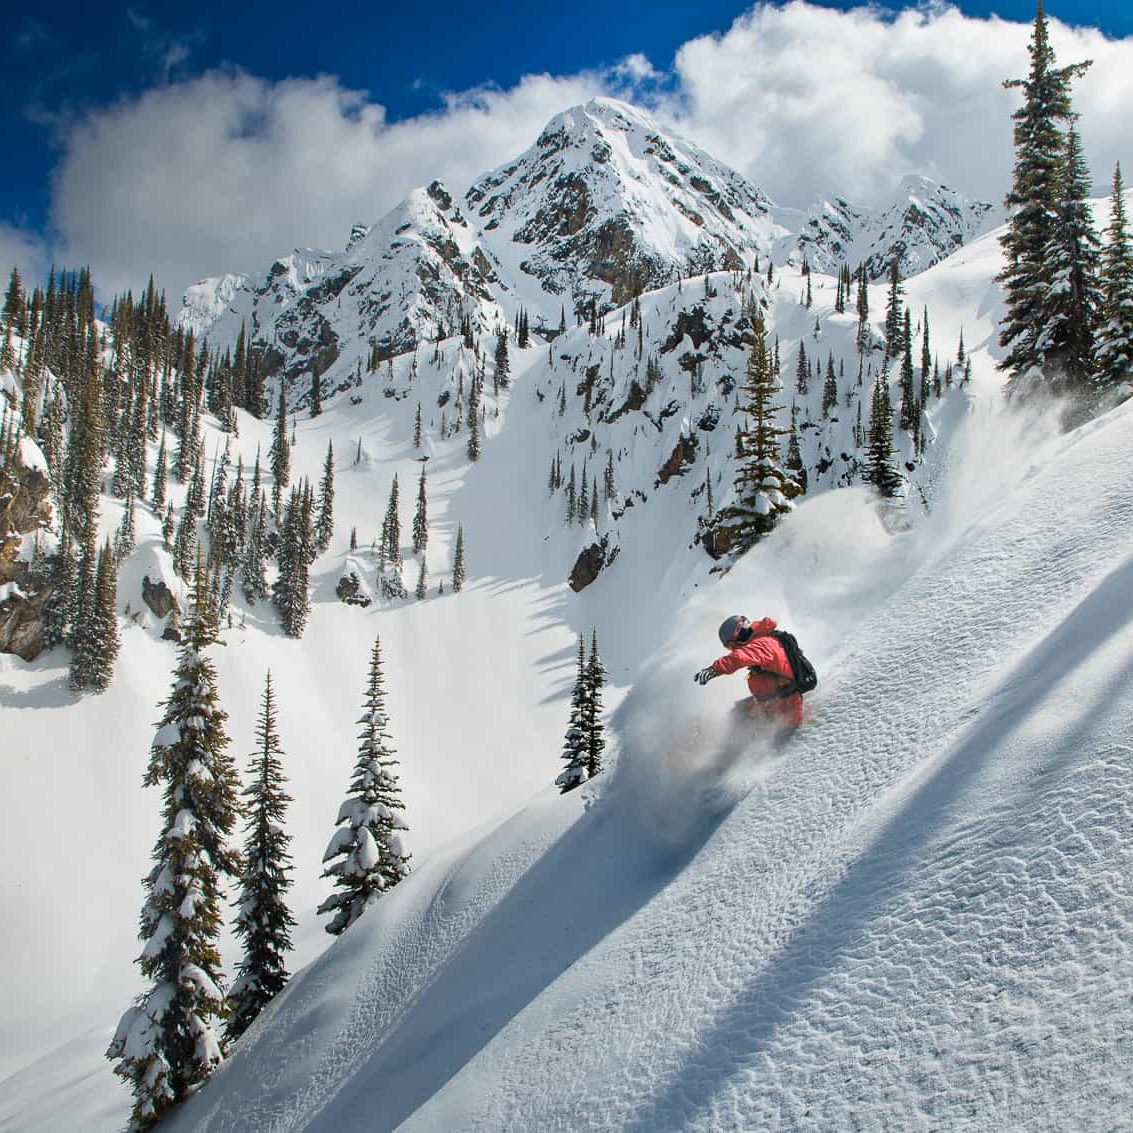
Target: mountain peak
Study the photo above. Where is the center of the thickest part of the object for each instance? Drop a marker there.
(606, 204)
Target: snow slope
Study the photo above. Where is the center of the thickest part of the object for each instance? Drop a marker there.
(834, 925)
(917, 915)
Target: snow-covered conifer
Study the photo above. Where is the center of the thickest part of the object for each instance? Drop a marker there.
(366, 857)
(421, 517)
(894, 317)
(1034, 205)
(324, 524)
(503, 364)
(279, 455)
(254, 576)
(166, 1044)
(592, 709)
(880, 470)
(1115, 334)
(263, 921)
(1073, 297)
(575, 751)
(159, 479)
(458, 562)
(829, 389)
(763, 489)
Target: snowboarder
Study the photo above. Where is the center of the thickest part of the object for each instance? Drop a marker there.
(770, 679)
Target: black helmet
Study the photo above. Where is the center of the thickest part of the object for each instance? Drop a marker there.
(731, 628)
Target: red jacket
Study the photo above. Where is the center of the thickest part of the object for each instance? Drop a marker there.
(769, 670)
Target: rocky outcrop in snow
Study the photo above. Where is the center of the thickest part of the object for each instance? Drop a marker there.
(25, 507)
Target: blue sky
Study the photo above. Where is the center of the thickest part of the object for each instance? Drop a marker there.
(74, 59)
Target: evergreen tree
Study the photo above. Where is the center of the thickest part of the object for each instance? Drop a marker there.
(390, 581)
(829, 389)
(279, 455)
(185, 543)
(159, 480)
(575, 749)
(910, 411)
(794, 462)
(1035, 202)
(474, 419)
(1115, 335)
(125, 538)
(324, 525)
(926, 364)
(263, 921)
(421, 592)
(592, 709)
(503, 364)
(292, 588)
(802, 371)
(195, 498)
(420, 517)
(894, 317)
(458, 562)
(416, 428)
(316, 391)
(763, 490)
(1073, 293)
(571, 497)
(166, 1044)
(880, 470)
(255, 585)
(863, 310)
(365, 856)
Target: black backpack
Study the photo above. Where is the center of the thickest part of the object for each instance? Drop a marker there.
(805, 676)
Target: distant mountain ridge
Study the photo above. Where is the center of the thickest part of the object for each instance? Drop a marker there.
(603, 206)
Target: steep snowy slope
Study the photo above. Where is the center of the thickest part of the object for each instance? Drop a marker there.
(918, 913)
(507, 641)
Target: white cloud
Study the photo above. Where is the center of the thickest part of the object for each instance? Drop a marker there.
(808, 100)
(227, 170)
(19, 248)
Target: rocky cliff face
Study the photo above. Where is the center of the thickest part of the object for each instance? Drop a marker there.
(25, 508)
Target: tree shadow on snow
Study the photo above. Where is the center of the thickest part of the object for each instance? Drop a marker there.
(596, 877)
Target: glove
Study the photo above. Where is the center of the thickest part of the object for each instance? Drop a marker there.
(705, 675)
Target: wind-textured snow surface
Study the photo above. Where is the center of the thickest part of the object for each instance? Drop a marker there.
(917, 914)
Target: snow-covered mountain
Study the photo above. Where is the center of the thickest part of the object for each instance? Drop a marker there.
(924, 223)
(606, 204)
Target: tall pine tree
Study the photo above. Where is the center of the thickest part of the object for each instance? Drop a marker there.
(575, 748)
(366, 857)
(763, 489)
(166, 1044)
(1115, 335)
(263, 921)
(1034, 203)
